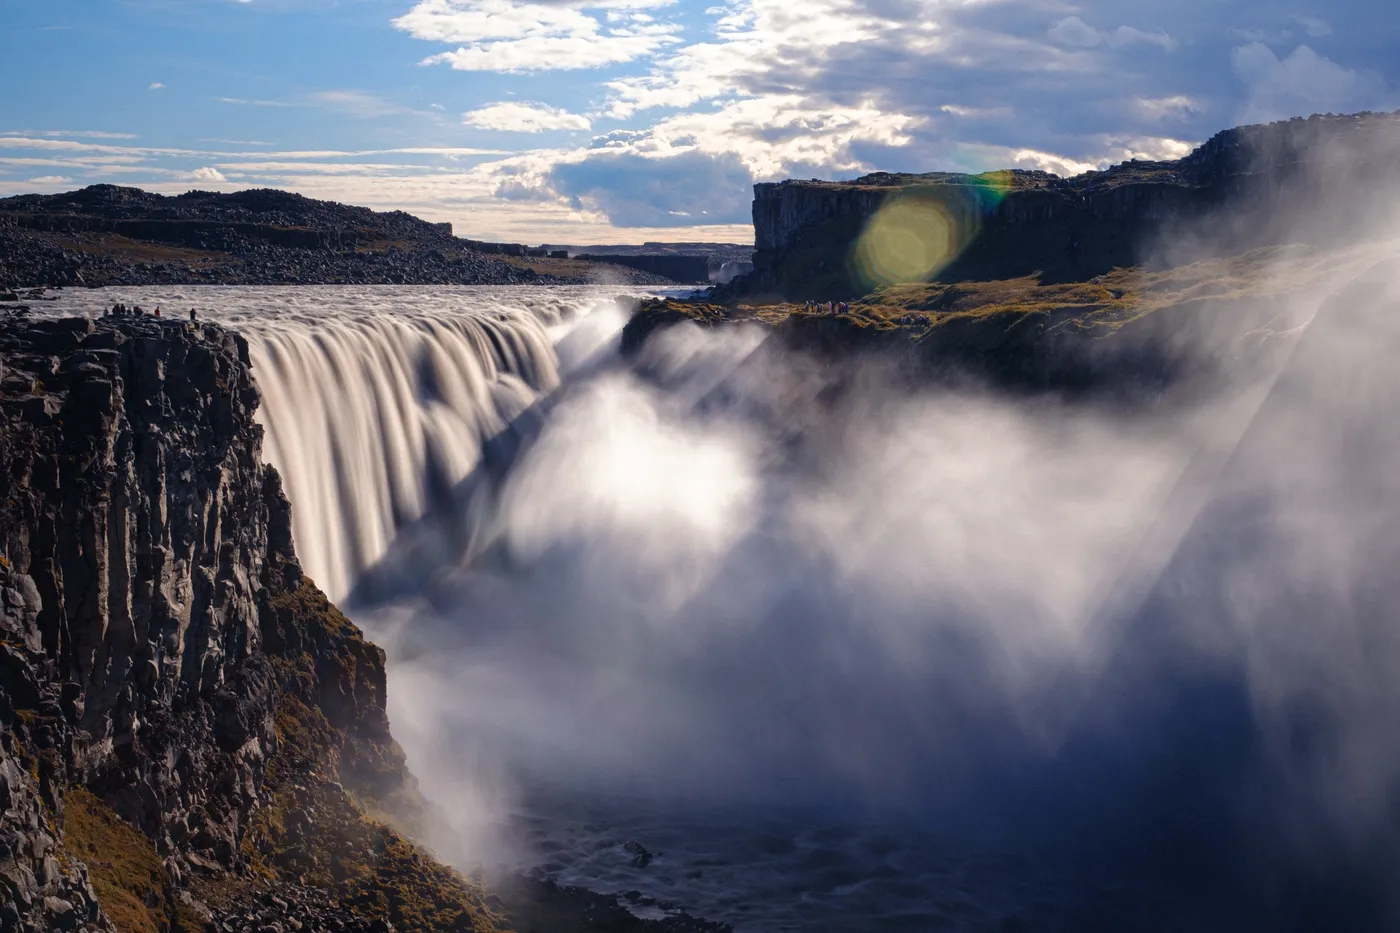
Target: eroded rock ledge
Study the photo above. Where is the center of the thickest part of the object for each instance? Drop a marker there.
(191, 735)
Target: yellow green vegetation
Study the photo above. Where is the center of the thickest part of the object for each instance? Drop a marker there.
(1122, 294)
(313, 833)
(127, 874)
(1101, 304)
(1107, 300)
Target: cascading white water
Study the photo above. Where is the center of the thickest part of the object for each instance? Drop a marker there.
(362, 416)
(375, 399)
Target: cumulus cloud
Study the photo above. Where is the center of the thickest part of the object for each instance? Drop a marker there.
(762, 45)
(636, 191)
(207, 173)
(699, 167)
(778, 134)
(834, 88)
(50, 180)
(524, 117)
(155, 86)
(1304, 82)
(510, 36)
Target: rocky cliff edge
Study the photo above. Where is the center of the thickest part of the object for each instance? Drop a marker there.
(191, 736)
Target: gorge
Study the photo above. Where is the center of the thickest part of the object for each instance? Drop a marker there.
(992, 604)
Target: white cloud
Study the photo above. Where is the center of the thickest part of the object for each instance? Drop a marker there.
(1073, 32)
(207, 173)
(773, 135)
(155, 86)
(50, 180)
(760, 42)
(357, 103)
(698, 166)
(551, 53)
(78, 134)
(1303, 83)
(975, 113)
(68, 145)
(510, 36)
(524, 117)
(1174, 107)
(1076, 33)
(254, 103)
(1101, 152)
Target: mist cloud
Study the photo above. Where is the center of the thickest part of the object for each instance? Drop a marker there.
(1160, 643)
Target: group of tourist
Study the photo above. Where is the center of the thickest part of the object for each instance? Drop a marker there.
(121, 310)
(830, 307)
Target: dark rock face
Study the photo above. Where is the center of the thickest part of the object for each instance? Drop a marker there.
(1010, 224)
(142, 539)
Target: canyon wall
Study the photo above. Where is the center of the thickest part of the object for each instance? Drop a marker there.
(1016, 223)
(158, 642)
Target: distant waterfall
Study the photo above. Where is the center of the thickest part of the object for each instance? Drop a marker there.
(366, 417)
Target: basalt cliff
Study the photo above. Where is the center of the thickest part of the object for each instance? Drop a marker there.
(191, 736)
(1252, 186)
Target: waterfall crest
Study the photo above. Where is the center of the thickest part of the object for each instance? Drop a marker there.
(369, 419)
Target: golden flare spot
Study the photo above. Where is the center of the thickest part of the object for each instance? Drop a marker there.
(911, 239)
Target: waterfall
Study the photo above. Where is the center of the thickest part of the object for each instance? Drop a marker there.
(365, 417)
(377, 401)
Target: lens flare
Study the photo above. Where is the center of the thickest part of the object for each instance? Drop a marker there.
(993, 187)
(918, 232)
(910, 239)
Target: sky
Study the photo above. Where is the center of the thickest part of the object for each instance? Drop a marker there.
(621, 121)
